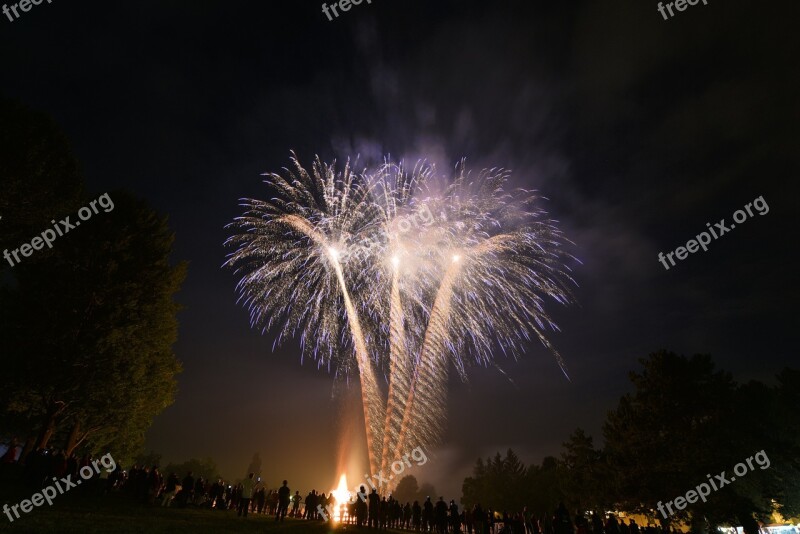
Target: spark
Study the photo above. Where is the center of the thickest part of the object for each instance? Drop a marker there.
(460, 287)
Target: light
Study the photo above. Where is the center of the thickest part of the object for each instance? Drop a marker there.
(342, 497)
(395, 261)
(456, 258)
(333, 252)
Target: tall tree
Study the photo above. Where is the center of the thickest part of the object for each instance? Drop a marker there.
(685, 424)
(40, 181)
(767, 420)
(786, 417)
(496, 483)
(662, 439)
(583, 473)
(39, 175)
(96, 324)
(543, 486)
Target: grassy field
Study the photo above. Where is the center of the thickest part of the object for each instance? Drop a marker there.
(116, 514)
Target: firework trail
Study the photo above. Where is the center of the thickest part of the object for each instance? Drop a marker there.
(500, 259)
(288, 253)
(397, 188)
(329, 259)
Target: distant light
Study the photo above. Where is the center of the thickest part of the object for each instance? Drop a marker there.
(395, 261)
(334, 253)
(456, 258)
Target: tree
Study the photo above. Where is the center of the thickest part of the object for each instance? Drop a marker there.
(407, 489)
(40, 180)
(664, 438)
(496, 483)
(95, 325)
(40, 176)
(582, 473)
(687, 422)
(766, 420)
(786, 419)
(543, 486)
(684, 422)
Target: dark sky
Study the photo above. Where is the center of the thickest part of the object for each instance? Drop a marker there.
(638, 130)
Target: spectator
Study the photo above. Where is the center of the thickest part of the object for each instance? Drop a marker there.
(246, 495)
(283, 501)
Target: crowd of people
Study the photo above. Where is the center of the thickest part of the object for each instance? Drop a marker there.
(441, 517)
(365, 509)
(39, 467)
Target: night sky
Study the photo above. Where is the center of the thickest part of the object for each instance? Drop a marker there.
(638, 130)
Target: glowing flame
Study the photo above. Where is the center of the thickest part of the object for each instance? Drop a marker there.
(342, 496)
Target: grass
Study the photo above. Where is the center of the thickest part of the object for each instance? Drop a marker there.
(76, 512)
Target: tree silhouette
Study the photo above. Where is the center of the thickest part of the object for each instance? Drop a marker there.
(93, 331)
(407, 489)
(582, 473)
(39, 175)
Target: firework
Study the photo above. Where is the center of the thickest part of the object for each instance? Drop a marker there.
(330, 259)
(496, 256)
(288, 253)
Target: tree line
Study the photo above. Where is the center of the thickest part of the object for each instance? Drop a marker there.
(684, 421)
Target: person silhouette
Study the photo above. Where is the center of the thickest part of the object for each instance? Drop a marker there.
(283, 501)
(247, 494)
(374, 508)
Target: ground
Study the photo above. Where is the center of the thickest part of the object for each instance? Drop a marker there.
(117, 514)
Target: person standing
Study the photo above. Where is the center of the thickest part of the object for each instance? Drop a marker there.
(296, 504)
(310, 504)
(416, 516)
(427, 515)
(283, 501)
(374, 509)
(361, 507)
(247, 494)
(479, 519)
(187, 487)
(440, 516)
(261, 499)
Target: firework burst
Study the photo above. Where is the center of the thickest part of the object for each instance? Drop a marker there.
(329, 260)
(289, 253)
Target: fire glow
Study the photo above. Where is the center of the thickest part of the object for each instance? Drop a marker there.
(342, 497)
